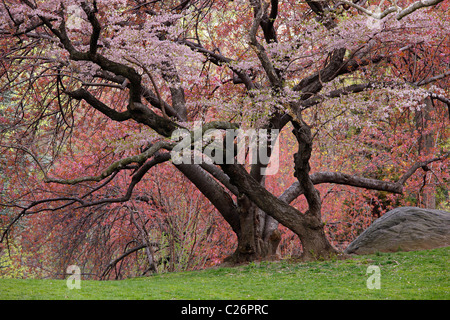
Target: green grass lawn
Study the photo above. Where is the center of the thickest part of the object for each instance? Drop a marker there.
(403, 275)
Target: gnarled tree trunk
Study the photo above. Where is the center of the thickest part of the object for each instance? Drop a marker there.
(307, 226)
(259, 236)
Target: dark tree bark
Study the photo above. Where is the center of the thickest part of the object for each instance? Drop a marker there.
(314, 241)
(258, 238)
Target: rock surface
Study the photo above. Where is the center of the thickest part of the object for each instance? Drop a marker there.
(404, 229)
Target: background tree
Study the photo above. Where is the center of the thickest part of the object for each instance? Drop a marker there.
(92, 92)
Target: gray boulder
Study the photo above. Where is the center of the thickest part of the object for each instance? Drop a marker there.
(404, 229)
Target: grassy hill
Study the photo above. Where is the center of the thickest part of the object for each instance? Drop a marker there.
(403, 275)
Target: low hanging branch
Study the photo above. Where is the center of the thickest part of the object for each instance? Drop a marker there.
(118, 165)
(113, 263)
(296, 190)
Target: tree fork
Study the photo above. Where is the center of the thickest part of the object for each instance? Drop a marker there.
(314, 241)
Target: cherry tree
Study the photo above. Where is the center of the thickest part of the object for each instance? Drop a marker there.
(94, 91)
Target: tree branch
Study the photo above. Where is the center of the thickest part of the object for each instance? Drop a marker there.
(314, 83)
(24, 210)
(96, 28)
(83, 94)
(354, 88)
(113, 263)
(375, 15)
(304, 138)
(155, 86)
(118, 165)
(415, 6)
(322, 10)
(170, 75)
(267, 202)
(221, 60)
(148, 94)
(422, 165)
(295, 190)
(442, 99)
(401, 12)
(93, 56)
(259, 48)
(432, 79)
(214, 192)
(220, 176)
(267, 23)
